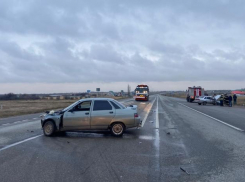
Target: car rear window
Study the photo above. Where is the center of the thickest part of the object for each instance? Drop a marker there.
(115, 105)
(120, 104)
(100, 105)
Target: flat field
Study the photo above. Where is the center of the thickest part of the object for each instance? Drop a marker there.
(241, 100)
(21, 107)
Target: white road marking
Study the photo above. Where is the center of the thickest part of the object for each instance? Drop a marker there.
(5, 124)
(236, 128)
(17, 121)
(157, 142)
(25, 120)
(143, 122)
(34, 118)
(157, 118)
(20, 142)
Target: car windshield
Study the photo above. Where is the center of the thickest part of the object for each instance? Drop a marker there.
(70, 106)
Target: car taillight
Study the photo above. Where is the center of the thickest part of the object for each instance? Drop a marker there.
(136, 115)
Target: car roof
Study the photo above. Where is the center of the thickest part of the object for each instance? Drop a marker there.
(96, 99)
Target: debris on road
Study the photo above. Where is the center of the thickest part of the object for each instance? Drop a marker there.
(168, 133)
(151, 121)
(184, 171)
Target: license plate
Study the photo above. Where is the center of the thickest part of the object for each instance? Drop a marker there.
(141, 95)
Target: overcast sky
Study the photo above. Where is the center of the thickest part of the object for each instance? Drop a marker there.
(72, 46)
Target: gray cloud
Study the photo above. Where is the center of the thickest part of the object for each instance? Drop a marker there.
(112, 41)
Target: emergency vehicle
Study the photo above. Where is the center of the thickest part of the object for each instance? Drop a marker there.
(142, 93)
(193, 93)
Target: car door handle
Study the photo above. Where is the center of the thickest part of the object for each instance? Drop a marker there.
(87, 113)
(111, 112)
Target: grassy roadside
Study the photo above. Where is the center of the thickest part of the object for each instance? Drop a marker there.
(22, 107)
(178, 95)
(241, 101)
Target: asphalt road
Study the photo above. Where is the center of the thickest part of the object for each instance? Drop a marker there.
(179, 141)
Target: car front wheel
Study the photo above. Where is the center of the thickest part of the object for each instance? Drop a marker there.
(48, 128)
(117, 129)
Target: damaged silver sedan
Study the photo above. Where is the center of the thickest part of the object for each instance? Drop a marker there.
(92, 114)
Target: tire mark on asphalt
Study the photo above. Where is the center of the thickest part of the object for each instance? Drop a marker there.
(109, 166)
(170, 117)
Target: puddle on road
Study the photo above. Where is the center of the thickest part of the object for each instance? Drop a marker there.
(145, 137)
(106, 135)
(96, 135)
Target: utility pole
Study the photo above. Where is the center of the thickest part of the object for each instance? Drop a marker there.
(129, 90)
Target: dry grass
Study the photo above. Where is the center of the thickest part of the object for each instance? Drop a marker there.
(178, 95)
(15, 108)
(241, 100)
(21, 107)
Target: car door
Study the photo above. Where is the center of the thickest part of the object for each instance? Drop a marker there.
(102, 114)
(210, 100)
(78, 117)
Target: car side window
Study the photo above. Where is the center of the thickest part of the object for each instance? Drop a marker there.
(101, 105)
(115, 105)
(83, 106)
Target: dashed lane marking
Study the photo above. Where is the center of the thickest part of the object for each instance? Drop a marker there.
(5, 124)
(157, 118)
(20, 142)
(234, 127)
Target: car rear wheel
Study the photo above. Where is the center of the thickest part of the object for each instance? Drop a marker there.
(199, 103)
(117, 129)
(48, 128)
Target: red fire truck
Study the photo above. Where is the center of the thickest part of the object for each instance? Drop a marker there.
(142, 92)
(193, 93)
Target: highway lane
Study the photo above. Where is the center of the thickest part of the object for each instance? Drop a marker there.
(19, 119)
(173, 138)
(232, 115)
(76, 151)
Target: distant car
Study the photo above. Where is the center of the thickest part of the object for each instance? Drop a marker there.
(92, 114)
(206, 100)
